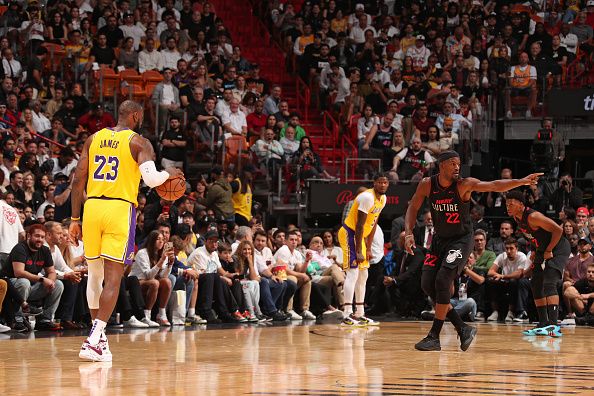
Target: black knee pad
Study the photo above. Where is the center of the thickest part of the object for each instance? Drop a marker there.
(551, 279)
(536, 283)
(443, 285)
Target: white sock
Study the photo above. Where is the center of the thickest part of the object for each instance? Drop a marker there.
(360, 293)
(147, 314)
(191, 312)
(96, 330)
(162, 313)
(349, 289)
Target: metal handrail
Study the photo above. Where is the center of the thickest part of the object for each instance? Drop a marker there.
(303, 94)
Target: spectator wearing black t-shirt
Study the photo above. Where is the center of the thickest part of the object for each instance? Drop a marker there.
(26, 260)
(35, 69)
(174, 145)
(102, 53)
(112, 32)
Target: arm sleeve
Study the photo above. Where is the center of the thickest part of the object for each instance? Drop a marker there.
(365, 201)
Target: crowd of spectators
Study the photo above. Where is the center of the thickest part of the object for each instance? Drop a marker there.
(414, 80)
(428, 70)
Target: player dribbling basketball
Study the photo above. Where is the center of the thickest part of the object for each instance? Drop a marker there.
(111, 165)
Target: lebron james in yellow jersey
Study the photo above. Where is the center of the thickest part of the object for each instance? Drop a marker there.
(110, 168)
(355, 238)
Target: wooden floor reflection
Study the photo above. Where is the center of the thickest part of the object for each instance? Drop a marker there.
(303, 360)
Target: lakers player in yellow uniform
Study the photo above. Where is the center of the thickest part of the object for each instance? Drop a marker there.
(355, 238)
(110, 168)
(242, 196)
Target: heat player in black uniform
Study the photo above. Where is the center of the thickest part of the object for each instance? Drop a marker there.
(551, 252)
(449, 198)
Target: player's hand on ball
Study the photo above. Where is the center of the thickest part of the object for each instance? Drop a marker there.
(409, 244)
(532, 179)
(174, 172)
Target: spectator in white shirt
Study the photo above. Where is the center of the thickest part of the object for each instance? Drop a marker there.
(166, 97)
(40, 121)
(268, 150)
(296, 266)
(149, 58)
(170, 54)
(379, 74)
(354, 18)
(12, 67)
(357, 35)
(206, 261)
(503, 277)
(223, 107)
(419, 53)
(132, 30)
(235, 122)
(272, 287)
(11, 230)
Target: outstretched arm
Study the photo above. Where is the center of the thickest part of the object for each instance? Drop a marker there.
(471, 184)
(411, 213)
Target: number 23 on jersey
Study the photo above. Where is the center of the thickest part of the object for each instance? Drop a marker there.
(107, 168)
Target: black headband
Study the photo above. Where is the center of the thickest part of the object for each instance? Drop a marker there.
(446, 155)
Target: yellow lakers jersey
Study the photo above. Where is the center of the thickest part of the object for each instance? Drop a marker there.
(367, 202)
(113, 172)
(243, 202)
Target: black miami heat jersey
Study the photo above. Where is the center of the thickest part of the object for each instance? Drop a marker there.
(450, 214)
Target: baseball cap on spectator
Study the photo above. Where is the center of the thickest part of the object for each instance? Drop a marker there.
(583, 211)
(211, 234)
(60, 176)
(9, 155)
(217, 170)
(584, 240)
(128, 14)
(477, 3)
(359, 7)
(420, 37)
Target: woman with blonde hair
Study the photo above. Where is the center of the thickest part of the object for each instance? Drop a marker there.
(249, 278)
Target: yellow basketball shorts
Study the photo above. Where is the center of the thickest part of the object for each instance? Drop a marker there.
(346, 239)
(109, 227)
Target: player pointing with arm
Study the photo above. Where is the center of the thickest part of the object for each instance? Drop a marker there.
(109, 170)
(449, 199)
(551, 252)
(355, 238)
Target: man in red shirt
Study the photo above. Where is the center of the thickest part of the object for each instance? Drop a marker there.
(256, 122)
(96, 119)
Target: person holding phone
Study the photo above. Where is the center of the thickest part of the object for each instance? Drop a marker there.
(152, 266)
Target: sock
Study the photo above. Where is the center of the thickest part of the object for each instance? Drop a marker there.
(543, 316)
(147, 314)
(456, 320)
(96, 330)
(553, 312)
(436, 328)
(349, 289)
(360, 292)
(191, 312)
(162, 313)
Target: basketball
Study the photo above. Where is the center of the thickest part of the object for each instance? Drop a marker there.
(172, 189)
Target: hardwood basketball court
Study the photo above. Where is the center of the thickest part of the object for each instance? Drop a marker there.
(320, 359)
